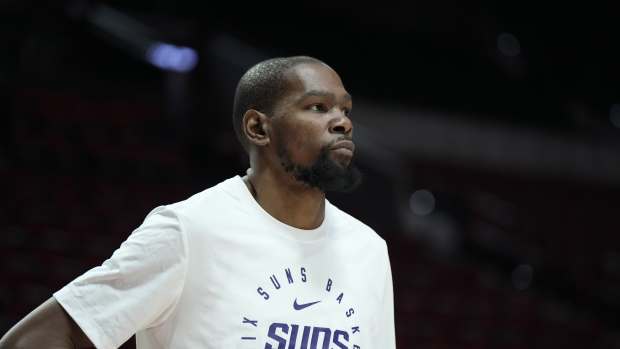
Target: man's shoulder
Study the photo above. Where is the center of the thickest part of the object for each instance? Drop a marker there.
(354, 227)
(204, 207)
(213, 195)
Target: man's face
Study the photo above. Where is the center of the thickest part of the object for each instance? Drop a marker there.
(312, 131)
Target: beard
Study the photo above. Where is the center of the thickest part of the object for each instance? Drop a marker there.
(324, 174)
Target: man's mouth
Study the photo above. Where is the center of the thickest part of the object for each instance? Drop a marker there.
(344, 146)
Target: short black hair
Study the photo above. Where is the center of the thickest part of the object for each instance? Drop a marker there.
(261, 87)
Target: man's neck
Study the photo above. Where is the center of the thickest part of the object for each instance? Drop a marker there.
(286, 199)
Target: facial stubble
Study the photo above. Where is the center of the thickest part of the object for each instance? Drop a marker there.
(325, 173)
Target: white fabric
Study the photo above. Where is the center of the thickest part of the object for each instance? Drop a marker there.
(217, 271)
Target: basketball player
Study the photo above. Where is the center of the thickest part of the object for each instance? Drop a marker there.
(260, 261)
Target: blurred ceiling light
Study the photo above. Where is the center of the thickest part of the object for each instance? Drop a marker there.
(120, 29)
(422, 202)
(508, 45)
(170, 57)
(140, 40)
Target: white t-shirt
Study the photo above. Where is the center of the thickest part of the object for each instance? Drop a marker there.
(217, 271)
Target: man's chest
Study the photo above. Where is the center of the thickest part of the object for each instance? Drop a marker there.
(289, 299)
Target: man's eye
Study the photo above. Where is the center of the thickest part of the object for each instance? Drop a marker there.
(317, 107)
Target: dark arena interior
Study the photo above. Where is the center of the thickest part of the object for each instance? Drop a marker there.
(488, 134)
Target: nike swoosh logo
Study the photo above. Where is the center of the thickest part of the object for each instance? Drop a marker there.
(302, 306)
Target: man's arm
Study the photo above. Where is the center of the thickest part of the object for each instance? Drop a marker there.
(48, 326)
(108, 301)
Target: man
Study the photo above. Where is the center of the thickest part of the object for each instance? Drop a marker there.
(263, 261)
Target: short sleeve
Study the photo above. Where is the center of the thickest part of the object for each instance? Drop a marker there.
(136, 288)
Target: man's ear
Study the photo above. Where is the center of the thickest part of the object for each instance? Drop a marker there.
(256, 127)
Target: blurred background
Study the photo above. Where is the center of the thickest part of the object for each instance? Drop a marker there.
(489, 134)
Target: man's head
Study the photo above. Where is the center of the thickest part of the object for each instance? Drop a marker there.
(292, 114)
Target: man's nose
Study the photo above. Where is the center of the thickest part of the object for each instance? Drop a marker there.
(341, 124)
